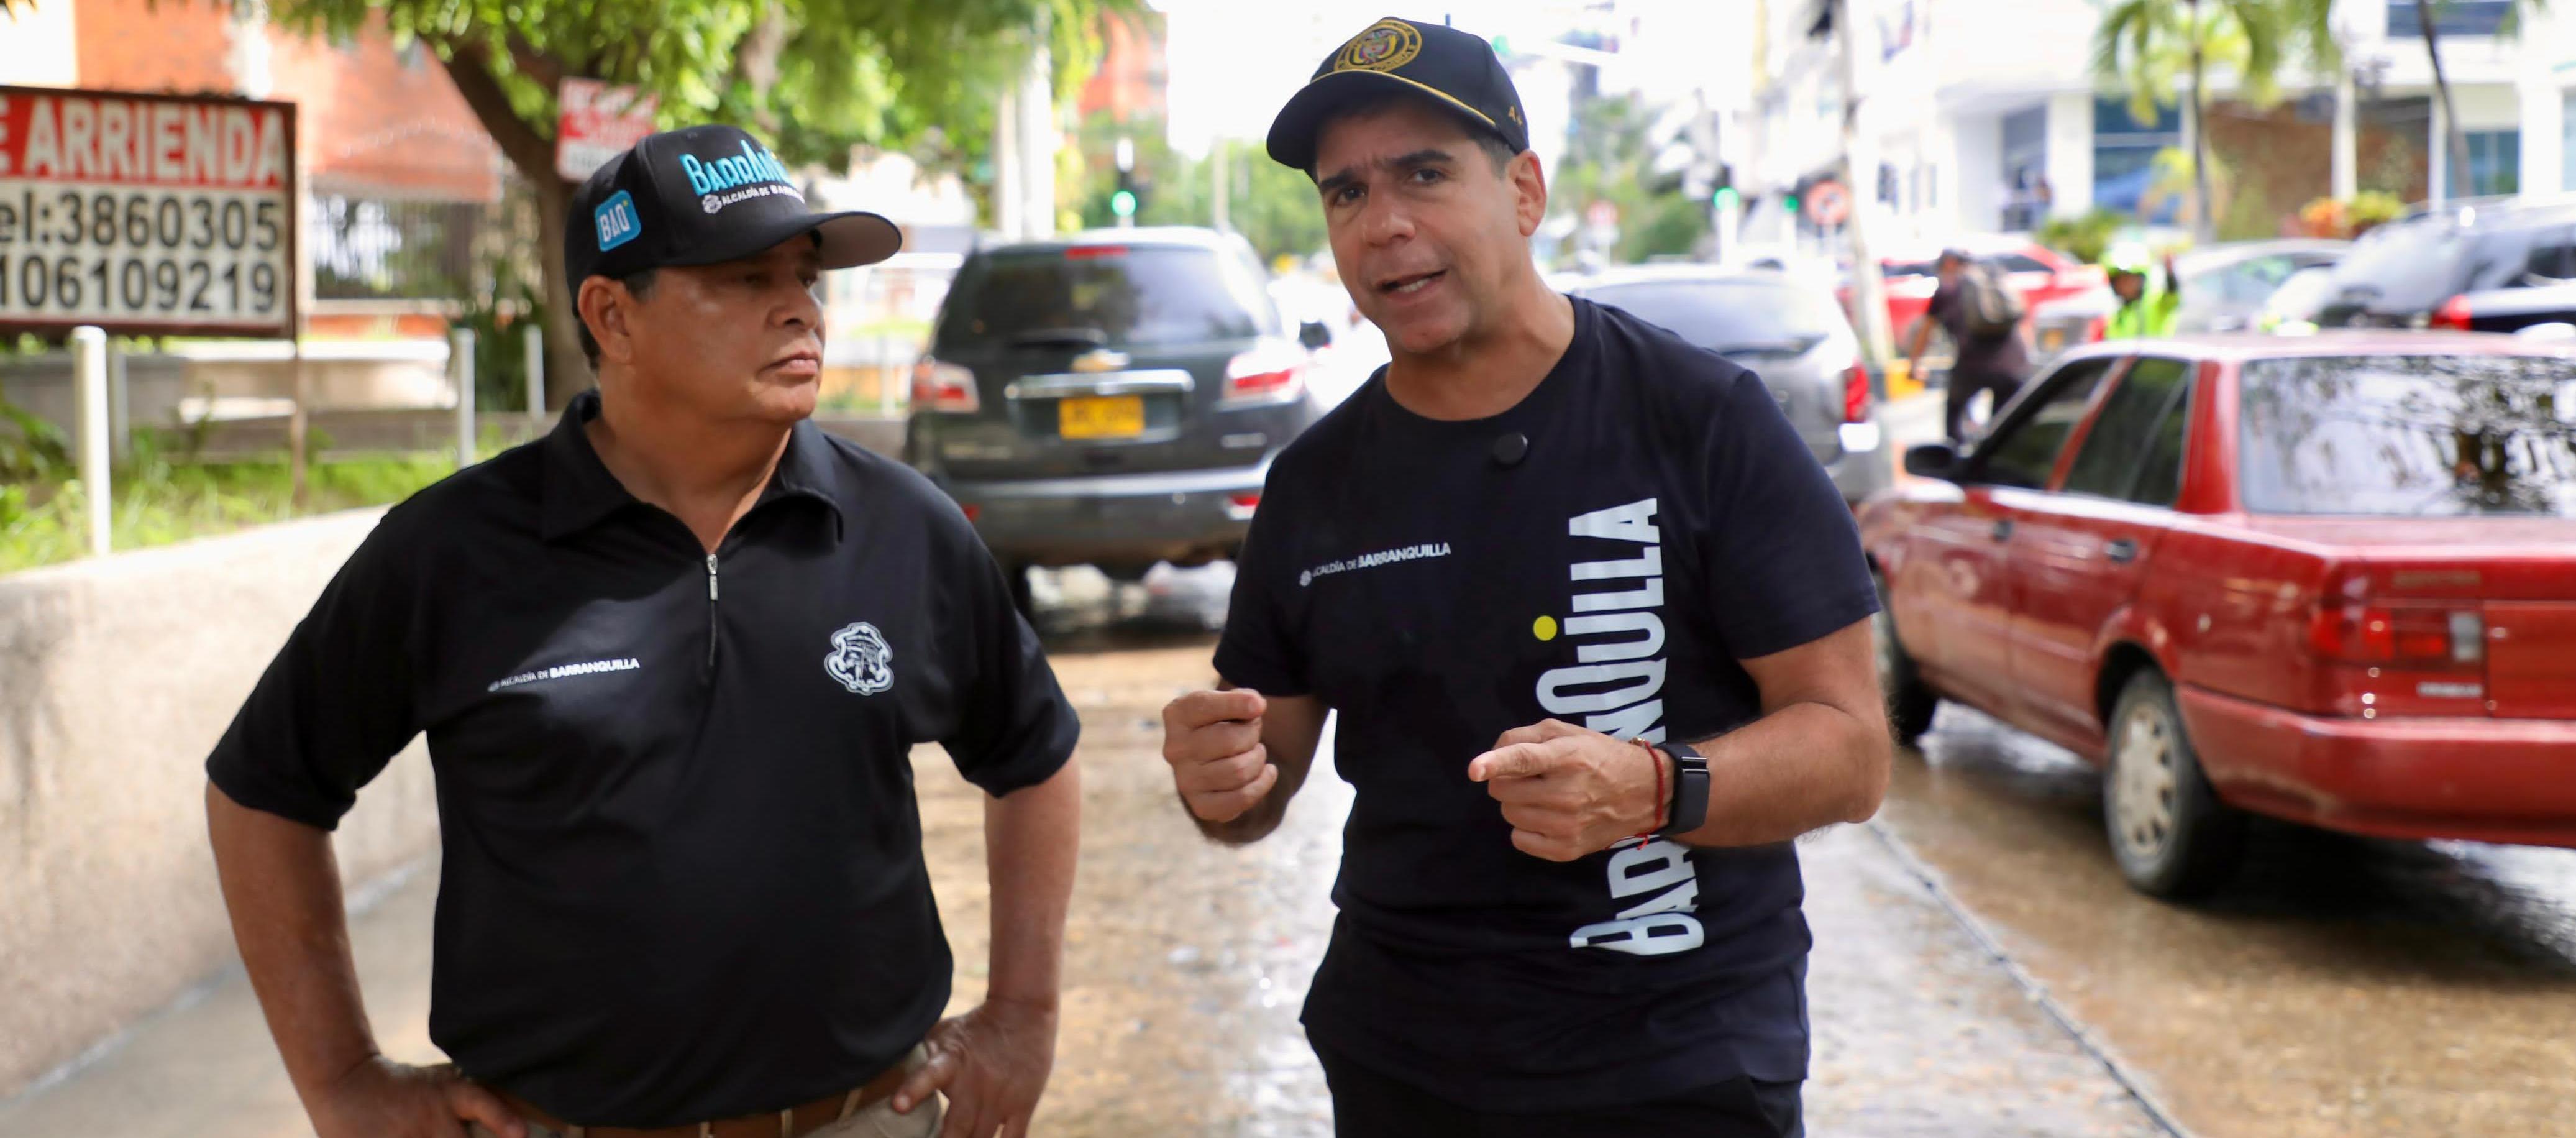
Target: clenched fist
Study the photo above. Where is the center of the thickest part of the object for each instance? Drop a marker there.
(1213, 741)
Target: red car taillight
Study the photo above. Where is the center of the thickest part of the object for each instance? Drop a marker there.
(2095, 329)
(943, 387)
(1856, 394)
(1241, 505)
(2454, 313)
(1268, 374)
(2438, 634)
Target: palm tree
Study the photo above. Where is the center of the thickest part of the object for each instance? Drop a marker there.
(2145, 45)
(2427, 12)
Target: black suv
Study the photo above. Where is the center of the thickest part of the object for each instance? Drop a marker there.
(1111, 398)
(2487, 266)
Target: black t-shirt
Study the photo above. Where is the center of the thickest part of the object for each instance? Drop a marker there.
(1980, 357)
(1666, 522)
(683, 875)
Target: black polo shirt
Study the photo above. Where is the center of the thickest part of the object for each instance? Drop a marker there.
(683, 874)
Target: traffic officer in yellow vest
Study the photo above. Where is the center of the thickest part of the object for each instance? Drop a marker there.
(2146, 310)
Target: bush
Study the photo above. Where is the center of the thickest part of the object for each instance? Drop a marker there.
(2085, 238)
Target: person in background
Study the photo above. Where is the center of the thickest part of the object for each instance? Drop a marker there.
(1988, 362)
(2147, 310)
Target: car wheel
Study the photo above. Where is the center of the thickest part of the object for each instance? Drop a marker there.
(2172, 836)
(1910, 702)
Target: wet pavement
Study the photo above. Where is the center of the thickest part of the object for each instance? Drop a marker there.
(1186, 962)
(2340, 987)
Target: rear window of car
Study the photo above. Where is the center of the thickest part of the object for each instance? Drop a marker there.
(1727, 316)
(2410, 436)
(1129, 295)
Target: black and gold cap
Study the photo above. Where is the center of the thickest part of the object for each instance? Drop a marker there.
(1453, 69)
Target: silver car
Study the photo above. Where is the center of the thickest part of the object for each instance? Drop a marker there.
(2223, 290)
(1788, 331)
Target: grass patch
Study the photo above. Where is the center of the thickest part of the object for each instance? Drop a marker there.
(158, 502)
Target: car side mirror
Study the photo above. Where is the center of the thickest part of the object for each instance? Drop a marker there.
(1313, 334)
(1933, 460)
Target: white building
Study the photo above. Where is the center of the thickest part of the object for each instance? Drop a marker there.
(1983, 115)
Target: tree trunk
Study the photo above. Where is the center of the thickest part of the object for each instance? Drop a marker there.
(2457, 142)
(532, 152)
(2204, 227)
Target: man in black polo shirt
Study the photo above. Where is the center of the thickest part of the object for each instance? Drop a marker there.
(671, 661)
(1595, 625)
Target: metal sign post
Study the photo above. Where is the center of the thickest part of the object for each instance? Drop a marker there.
(460, 371)
(89, 372)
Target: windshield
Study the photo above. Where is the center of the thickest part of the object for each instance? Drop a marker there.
(2403, 267)
(1730, 315)
(1127, 296)
(2410, 436)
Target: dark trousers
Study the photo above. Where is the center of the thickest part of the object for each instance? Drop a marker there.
(1964, 386)
(1367, 1104)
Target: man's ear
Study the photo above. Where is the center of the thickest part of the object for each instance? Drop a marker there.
(606, 309)
(1529, 190)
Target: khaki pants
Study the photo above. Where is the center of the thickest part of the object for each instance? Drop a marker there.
(875, 1120)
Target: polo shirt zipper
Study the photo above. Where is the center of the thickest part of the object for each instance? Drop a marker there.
(711, 615)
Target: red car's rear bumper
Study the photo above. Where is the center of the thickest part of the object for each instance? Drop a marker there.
(2494, 780)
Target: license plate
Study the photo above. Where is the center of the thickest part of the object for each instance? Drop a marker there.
(1100, 417)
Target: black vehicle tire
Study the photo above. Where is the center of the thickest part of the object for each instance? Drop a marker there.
(1910, 702)
(2171, 835)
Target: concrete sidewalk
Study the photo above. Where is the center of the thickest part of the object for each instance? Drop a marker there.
(1185, 966)
(1917, 1034)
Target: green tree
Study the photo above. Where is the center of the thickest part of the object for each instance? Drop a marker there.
(816, 77)
(2427, 14)
(1272, 206)
(2147, 47)
(1610, 158)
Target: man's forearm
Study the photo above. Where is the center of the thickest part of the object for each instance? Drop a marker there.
(282, 886)
(1032, 837)
(1800, 768)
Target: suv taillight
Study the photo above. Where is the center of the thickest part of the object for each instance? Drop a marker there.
(1272, 373)
(943, 387)
(2454, 313)
(1855, 394)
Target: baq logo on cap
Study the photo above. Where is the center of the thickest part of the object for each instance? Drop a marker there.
(1386, 45)
(616, 221)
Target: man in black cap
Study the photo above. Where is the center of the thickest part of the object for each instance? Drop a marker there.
(1595, 624)
(672, 661)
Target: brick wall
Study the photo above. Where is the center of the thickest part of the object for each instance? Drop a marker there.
(383, 122)
(177, 46)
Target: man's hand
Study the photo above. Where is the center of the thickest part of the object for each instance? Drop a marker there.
(992, 1062)
(1569, 792)
(384, 1099)
(1213, 741)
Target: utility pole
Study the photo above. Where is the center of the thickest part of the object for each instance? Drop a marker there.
(1869, 288)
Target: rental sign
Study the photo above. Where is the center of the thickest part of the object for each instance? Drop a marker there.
(146, 214)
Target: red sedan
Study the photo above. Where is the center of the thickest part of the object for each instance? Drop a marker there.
(2327, 579)
(2040, 274)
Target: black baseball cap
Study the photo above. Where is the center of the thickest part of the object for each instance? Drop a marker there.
(1453, 69)
(700, 195)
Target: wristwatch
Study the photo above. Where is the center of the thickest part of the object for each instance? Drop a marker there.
(1690, 789)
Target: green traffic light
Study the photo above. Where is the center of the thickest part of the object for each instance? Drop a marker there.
(1502, 45)
(1123, 203)
(1790, 203)
(1725, 197)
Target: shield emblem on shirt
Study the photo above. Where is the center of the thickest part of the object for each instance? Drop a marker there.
(861, 659)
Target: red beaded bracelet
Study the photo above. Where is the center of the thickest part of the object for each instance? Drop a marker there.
(1663, 801)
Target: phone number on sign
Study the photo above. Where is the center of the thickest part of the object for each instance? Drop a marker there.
(174, 256)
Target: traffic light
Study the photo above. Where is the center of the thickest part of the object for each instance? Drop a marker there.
(1789, 202)
(1502, 45)
(1123, 203)
(1725, 198)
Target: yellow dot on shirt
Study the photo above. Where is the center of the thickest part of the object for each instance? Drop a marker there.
(1544, 628)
